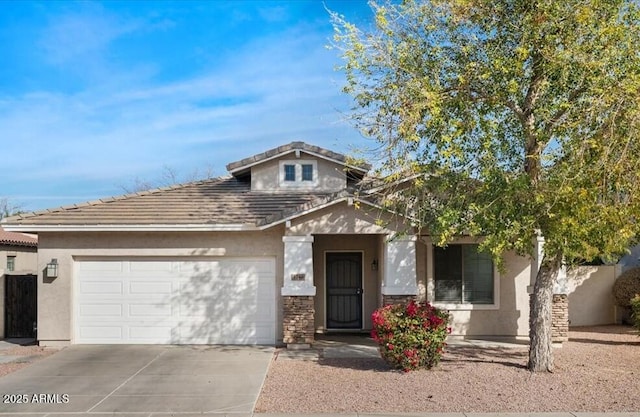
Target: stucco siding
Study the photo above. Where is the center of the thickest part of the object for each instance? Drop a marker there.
(343, 218)
(55, 296)
(26, 259)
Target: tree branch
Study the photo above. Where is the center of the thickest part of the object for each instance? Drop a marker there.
(575, 94)
(533, 92)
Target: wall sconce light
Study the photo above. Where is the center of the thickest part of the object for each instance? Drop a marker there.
(374, 265)
(52, 268)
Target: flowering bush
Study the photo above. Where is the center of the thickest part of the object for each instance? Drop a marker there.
(635, 311)
(410, 336)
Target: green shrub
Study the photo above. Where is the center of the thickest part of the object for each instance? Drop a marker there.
(410, 336)
(635, 311)
(627, 286)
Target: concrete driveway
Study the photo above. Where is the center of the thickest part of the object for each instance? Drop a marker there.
(139, 379)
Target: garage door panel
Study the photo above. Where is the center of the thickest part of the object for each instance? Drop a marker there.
(150, 334)
(101, 310)
(101, 287)
(154, 287)
(150, 310)
(104, 333)
(137, 301)
(102, 267)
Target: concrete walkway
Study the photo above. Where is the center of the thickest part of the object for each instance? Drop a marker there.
(362, 346)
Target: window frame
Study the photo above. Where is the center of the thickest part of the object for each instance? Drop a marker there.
(11, 263)
(299, 183)
(302, 172)
(286, 172)
(458, 306)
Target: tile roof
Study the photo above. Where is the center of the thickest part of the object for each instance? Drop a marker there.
(17, 239)
(234, 167)
(222, 201)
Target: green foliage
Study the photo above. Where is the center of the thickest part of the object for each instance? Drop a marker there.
(410, 336)
(626, 286)
(523, 116)
(635, 311)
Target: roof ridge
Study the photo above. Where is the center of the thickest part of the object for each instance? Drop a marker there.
(244, 163)
(110, 199)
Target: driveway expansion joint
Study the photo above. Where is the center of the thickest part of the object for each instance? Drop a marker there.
(127, 380)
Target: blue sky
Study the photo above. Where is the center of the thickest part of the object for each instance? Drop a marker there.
(96, 94)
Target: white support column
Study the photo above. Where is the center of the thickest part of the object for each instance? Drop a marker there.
(298, 266)
(400, 267)
(560, 286)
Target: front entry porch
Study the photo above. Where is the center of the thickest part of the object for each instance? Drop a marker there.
(334, 282)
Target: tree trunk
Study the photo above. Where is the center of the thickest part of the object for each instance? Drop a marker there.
(540, 348)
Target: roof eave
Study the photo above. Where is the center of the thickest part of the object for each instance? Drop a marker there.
(130, 228)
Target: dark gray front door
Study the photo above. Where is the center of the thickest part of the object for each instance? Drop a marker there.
(344, 290)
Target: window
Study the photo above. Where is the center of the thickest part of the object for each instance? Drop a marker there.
(11, 263)
(307, 172)
(463, 275)
(289, 172)
(298, 173)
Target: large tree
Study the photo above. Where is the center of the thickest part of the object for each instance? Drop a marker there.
(523, 116)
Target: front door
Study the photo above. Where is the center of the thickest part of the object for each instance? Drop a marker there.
(344, 290)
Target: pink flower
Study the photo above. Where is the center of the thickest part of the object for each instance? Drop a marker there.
(374, 336)
(412, 309)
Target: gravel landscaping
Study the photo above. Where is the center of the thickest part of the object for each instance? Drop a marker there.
(21, 356)
(596, 371)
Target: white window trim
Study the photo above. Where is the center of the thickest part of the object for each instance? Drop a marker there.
(431, 293)
(298, 183)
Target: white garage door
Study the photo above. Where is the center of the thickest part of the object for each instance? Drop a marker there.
(223, 301)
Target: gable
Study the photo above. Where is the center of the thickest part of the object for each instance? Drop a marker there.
(347, 218)
(326, 176)
(298, 167)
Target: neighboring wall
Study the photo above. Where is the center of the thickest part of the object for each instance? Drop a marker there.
(26, 259)
(590, 299)
(26, 262)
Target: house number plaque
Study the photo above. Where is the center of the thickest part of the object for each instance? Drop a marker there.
(297, 277)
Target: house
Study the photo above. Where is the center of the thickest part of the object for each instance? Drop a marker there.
(287, 245)
(18, 261)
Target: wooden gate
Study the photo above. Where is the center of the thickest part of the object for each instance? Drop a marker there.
(20, 305)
